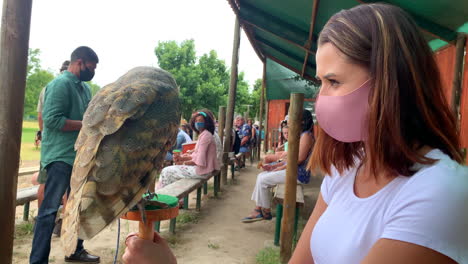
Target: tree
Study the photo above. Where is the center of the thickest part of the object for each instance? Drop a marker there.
(255, 98)
(94, 88)
(203, 81)
(36, 79)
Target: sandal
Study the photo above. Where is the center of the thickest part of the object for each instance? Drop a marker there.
(251, 219)
(267, 215)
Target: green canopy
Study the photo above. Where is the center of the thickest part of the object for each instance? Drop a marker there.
(281, 82)
(286, 32)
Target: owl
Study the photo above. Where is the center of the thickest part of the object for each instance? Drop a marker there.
(126, 132)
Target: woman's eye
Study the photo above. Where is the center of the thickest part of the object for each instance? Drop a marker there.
(333, 82)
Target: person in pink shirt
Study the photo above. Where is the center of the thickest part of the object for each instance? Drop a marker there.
(202, 161)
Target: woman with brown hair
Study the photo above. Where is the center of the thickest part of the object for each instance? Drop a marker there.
(395, 191)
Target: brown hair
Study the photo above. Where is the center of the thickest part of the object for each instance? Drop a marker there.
(407, 105)
(209, 120)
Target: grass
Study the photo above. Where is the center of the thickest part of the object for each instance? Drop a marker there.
(28, 149)
(171, 239)
(213, 246)
(268, 255)
(24, 229)
(188, 217)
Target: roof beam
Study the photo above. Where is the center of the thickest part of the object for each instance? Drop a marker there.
(282, 51)
(311, 32)
(292, 34)
(425, 25)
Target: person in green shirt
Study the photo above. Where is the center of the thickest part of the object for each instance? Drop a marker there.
(65, 101)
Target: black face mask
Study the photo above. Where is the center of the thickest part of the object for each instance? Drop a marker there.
(86, 75)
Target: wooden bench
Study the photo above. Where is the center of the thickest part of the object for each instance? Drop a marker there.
(278, 198)
(28, 170)
(182, 188)
(24, 197)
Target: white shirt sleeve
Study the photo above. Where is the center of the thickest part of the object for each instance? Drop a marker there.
(431, 210)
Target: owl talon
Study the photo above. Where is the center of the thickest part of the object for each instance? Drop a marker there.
(141, 207)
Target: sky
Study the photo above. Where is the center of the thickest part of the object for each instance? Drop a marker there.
(125, 33)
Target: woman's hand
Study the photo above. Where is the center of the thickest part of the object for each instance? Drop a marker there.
(282, 167)
(147, 252)
(267, 167)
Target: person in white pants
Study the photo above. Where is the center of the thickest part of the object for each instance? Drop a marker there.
(275, 173)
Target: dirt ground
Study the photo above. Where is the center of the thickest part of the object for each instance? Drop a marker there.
(216, 235)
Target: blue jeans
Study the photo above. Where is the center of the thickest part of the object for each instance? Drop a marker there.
(58, 182)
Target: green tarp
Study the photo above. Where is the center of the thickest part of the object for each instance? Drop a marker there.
(280, 82)
(279, 30)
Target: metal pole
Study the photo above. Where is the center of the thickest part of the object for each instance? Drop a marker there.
(232, 98)
(289, 204)
(262, 104)
(14, 43)
(457, 73)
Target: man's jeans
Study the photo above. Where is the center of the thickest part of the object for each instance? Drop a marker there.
(58, 182)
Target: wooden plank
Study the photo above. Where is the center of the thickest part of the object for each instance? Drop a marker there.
(289, 204)
(28, 171)
(464, 107)
(280, 190)
(311, 33)
(445, 60)
(26, 195)
(457, 73)
(14, 44)
(181, 188)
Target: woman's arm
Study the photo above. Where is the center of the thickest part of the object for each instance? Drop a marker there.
(305, 145)
(202, 148)
(388, 251)
(302, 254)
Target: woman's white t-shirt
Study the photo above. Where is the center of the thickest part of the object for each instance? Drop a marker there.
(429, 209)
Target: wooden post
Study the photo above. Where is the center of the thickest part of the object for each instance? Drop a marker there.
(221, 128)
(289, 204)
(232, 97)
(14, 43)
(262, 104)
(267, 139)
(221, 122)
(457, 73)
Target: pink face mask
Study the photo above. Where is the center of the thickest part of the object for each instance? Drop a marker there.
(344, 118)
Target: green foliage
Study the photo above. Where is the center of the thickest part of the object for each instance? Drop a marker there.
(94, 88)
(187, 217)
(213, 246)
(203, 81)
(23, 229)
(268, 255)
(36, 80)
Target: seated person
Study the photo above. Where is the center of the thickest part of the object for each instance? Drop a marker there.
(182, 138)
(280, 154)
(202, 161)
(276, 174)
